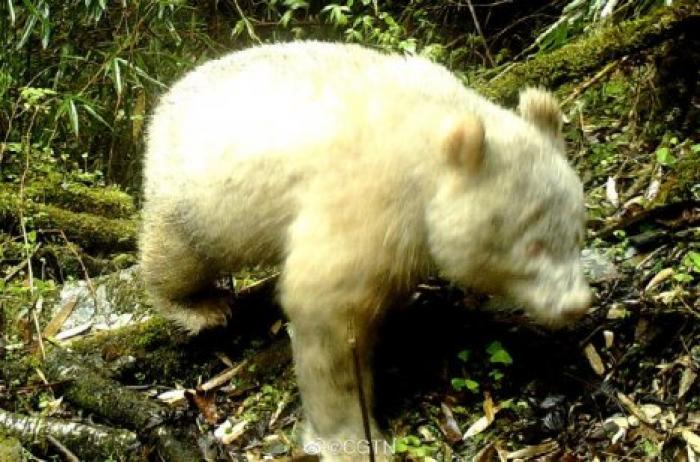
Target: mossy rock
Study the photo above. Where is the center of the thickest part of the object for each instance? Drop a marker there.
(11, 450)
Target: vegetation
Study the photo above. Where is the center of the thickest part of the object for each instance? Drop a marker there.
(77, 81)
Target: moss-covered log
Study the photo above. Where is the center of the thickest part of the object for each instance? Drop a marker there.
(593, 51)
(89, 231)
(163, 352)
(108, 201)
(92, 442)
(93, 392)
(11, 449)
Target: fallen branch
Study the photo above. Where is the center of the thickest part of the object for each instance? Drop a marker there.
(67, 453)
(665, 211)
(85, 229)
(592, 52)
(223, 377)
(93, 392)
(477, 26)
(105, 201)
(92, 442)
(161, 352)
(593, 80)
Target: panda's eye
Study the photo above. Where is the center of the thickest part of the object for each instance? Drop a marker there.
(535, 248)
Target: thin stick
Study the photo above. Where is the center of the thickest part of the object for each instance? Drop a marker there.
(587, 84)
(40, 338)
(481, 34)
(223, 377)
(88, 281)
(352, 340)
(246, 21)
(70, 457)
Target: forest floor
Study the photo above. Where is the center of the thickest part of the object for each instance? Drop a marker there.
(454, 381)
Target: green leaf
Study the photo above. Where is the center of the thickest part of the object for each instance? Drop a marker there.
(412, 440)
(145, 75)
(11, 10)
(695, 148)
(33, 96)
(286, 17)
(406, 443)
(682, 277)
(73, 117)
(238, 28)
(664, 156)
(45, 33)
(408, 46)
(295, 4)
(464, 355)
(458, 384)
(496, 375)
(399, 446)
(28, 27)
(117, 76)
(471, 385)
(336, 13)
(421, 452)
(692, 261)
(499, 355)
(90, 110)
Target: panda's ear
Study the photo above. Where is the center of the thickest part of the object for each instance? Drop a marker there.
(542, 109)
(464, 143)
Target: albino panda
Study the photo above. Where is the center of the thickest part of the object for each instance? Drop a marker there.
(359, 173)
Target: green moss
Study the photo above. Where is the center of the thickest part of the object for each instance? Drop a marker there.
(161, 351)
(108, 201)
(136, 339)
(688, 171)
(679, 186)
(11, 449)
(588, 54)
(53, 187)
(85, 229)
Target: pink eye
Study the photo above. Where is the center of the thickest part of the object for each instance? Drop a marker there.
(535, 248)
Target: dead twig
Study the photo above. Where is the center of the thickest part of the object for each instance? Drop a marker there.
(223, 378)
(93, 392)
(40, 340)
(88, 281)
(67, 453)
(246, 21)
(352, 342)
(477, 26)
(57, 322)
(607, 69)
(647, 215)
(93, 442)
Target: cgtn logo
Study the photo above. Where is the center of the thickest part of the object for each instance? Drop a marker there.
(316, 446)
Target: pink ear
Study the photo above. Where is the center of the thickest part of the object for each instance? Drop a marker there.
(464, 144)
(542, 109)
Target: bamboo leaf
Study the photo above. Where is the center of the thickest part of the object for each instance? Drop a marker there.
(73, 117)
(95, 115)
(28, 28)
(145, 75)
(11, 10)
(45, 34)
(117, 76)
